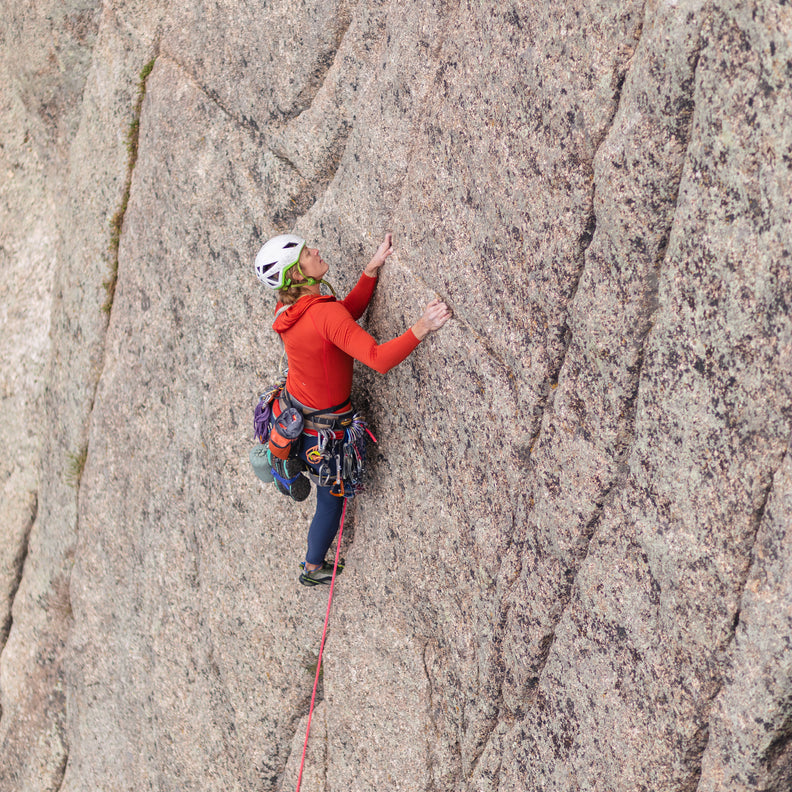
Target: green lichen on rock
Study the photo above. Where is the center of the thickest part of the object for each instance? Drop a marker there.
(117, 220)
(75, 467)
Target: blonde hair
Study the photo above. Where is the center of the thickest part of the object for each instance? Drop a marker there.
(291, 294)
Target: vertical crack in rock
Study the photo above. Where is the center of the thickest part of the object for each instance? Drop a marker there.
(326, 757)
(504, 718)
(434, 737)
(116, 229)
(61, 772)
(547, 405)
(314, 186)
(756, 521)
(317, 78)
(502, 714)
(18, 568)
(117, 222)
(586, 238)
(650, 303)
(584, 242)
(780, 743)
(430, 706)
(652, 293)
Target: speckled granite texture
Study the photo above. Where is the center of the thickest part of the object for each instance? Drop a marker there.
(571, 568)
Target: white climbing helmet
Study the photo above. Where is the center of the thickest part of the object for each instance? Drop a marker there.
(276, 257)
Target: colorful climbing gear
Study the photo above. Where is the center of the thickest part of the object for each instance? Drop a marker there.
(285, 432)
(289, 478)
(262, 414)
(274, 457)
(337, 461)
(339, 454)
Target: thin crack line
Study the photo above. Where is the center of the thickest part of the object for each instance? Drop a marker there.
(585, 240)
(248, 124)
(758, 519)
(650, 301)
(61, 771)
(430, 708)
(137, 107)
(431, 776)
(18, 566)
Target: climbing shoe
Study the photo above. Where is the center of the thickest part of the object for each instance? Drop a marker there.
(289, 478)
(322, 575)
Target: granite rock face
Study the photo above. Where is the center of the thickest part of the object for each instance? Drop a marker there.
(571, 567)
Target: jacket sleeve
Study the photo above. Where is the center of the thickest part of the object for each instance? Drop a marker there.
(337, 325)
(358, 299)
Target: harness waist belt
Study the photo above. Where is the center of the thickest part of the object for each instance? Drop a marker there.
(327, 418)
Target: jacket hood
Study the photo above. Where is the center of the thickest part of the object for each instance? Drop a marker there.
(292, 314)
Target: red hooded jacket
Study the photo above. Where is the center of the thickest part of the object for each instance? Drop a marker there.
(321, 336)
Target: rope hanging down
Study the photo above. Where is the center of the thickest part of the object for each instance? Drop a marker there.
(321, 646)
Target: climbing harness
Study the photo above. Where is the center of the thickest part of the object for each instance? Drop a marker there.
(321, 646)
(337, 459)
(340, 450)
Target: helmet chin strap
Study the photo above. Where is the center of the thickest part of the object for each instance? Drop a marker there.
(309, 281)
(329, 286)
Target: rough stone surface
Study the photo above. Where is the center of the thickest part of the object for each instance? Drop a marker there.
(571, 567)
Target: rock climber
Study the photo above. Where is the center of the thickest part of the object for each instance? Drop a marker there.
(321, 337)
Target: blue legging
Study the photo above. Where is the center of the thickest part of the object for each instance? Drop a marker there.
(327, 516)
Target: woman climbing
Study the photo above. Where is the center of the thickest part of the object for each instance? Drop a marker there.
(321, 337)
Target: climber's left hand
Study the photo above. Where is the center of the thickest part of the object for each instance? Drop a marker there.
(383, 251)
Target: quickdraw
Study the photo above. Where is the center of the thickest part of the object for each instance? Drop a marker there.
(342, 455)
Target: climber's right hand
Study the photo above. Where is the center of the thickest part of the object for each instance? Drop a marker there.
(436, 314)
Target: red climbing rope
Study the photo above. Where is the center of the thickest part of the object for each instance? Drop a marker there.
(321, 646)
